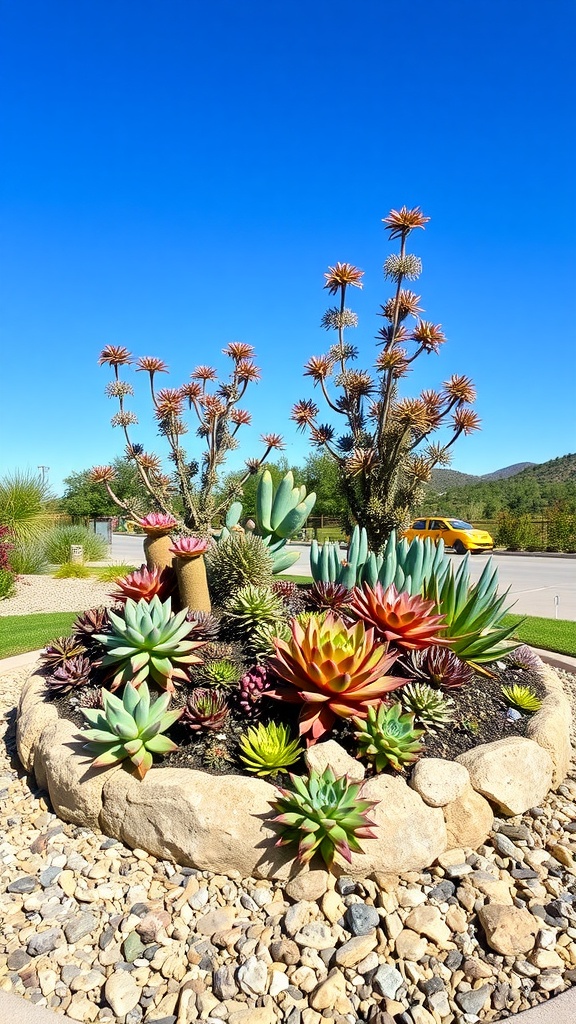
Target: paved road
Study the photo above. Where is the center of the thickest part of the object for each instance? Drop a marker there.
(535, 582)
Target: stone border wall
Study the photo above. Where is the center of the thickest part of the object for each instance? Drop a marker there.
(222, 824)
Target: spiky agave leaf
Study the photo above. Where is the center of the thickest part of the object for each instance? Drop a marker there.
(61, 650)
(205, 709)
(69, 676)
(521, 698)
(267, 749)
(388, 737)
(473, 615)
(145, 583)
(221, 672)
(323, 814)
(130, 728)
(250, 606)
(440, 667)
(147, 640)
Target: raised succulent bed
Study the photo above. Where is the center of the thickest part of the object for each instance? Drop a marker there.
(222, 823)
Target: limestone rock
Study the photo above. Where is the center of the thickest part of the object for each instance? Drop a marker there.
(34, 715)
(122, 993)
(513, 773)
(427, 920)
(439, 782)
(469, 820)
(550, 727)
(410, 834)
(328, 991)
(176, 811)
(319, 756)
(75, 788)
(307, 885)
(508, 930)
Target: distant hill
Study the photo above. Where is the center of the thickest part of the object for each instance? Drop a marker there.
(503, 474)
(555, 471)
(529, 488)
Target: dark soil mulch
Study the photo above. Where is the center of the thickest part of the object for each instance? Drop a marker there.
(480, 716)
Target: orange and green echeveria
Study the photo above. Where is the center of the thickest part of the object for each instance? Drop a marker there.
(407, 621)
(333, 670)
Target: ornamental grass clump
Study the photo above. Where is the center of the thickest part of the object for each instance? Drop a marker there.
(187, 493)
(384, 453)
(388, 738)
(146, 640)
(239, 561)
(268, 749)
(130, 729)
(333, 670)
(323, 814)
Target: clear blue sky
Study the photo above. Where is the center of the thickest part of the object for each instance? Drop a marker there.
(178, 175)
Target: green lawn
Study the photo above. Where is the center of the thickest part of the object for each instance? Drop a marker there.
(551, 634)
(21, 633)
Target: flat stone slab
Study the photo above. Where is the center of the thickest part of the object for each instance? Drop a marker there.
(223, 823)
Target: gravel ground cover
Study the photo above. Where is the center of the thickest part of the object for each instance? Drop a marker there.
(45, 594)
(105, 933)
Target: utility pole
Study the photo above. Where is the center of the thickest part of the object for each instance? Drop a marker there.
(44, 472)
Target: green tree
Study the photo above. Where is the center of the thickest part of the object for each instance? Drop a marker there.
(321, 474)
(83, 498)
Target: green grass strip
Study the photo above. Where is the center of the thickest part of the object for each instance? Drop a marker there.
(22, 633)
(557, 635)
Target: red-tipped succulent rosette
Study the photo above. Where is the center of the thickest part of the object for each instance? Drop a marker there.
(333, 670)
(189, 547)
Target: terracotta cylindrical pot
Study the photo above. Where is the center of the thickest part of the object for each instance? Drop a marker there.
(192, 583)
(157, 550)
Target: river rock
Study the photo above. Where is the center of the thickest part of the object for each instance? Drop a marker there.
(513, 773)
(510, 931)
(308, 885)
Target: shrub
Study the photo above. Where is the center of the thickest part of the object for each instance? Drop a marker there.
(57, 544)
(561, 529)
(516, 532)
(24, 499)
(6, 583)
(28, 558)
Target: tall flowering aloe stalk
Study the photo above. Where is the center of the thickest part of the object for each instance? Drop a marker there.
(384, 453)
(333, 670)
(218, 420)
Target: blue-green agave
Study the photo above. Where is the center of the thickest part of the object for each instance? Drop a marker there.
(130, 728)
(147, 640)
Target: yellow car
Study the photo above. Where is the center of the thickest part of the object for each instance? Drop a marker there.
(454, 532)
